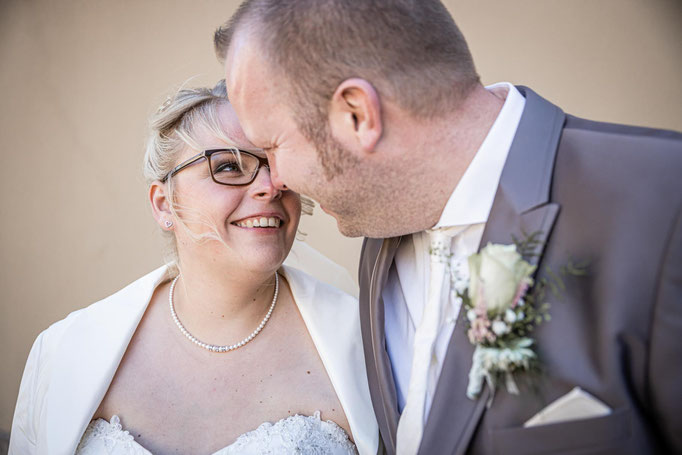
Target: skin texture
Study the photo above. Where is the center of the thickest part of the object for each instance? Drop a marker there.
(175, 397)
(397, 170)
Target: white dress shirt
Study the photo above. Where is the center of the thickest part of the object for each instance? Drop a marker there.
(468, 207)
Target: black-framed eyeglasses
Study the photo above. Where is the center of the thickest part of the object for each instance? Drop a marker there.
(228, 166)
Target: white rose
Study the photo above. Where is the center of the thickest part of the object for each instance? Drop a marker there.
(510, 316)
(471, 315)
(499, 327)
(495, 276)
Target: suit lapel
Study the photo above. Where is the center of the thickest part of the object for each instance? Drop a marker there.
(521, 207)
(379, 372)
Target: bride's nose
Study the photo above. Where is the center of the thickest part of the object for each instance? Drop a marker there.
(262, 186)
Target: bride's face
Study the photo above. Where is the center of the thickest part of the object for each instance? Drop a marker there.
(232, 225)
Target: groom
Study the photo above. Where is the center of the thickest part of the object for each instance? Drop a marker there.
(375, 109)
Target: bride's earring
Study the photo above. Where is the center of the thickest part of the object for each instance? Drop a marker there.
(168, 224)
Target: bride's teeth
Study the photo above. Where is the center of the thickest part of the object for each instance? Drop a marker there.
(261, 222)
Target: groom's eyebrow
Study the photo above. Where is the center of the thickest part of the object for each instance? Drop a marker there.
(269, 149)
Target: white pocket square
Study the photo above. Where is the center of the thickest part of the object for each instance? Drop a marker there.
(576, 404)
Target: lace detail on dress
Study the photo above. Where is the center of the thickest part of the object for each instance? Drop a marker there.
(295, 435)
(102, 437)
(308, 435)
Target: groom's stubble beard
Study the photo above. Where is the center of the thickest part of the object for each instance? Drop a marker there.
(365, 201)
(336, 191)
(334, 182)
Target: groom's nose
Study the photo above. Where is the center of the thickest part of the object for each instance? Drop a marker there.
(262, 186)
(274, 174)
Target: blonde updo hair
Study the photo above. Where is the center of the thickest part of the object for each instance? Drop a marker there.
(174, 127)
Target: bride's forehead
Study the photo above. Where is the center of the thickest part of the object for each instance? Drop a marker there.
(232, 128)
(224, 133)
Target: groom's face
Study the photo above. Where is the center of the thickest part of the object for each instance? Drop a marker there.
(257, 94)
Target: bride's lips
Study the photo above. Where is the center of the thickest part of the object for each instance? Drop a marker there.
(261, 221)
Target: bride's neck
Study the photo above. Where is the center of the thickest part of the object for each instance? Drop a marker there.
(213, 301)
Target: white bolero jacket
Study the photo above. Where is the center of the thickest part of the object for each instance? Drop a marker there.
(72, 363)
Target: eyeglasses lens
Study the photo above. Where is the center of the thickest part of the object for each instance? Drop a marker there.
(232, 167)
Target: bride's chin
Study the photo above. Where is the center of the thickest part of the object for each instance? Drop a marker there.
(263, 263)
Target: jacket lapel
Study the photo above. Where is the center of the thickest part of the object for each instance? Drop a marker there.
(521, 207)
(87, 358)
(379, 256)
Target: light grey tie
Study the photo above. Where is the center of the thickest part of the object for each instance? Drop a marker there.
(412, 420)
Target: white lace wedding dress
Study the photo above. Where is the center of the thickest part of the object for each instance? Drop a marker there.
(294, 435)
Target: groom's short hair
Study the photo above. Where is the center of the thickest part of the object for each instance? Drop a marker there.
(411, 51)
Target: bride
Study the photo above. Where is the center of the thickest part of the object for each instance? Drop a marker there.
(225, 350)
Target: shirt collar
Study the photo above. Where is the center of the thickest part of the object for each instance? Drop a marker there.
(472, 199)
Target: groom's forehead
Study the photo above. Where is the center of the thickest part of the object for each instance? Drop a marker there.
(252, 90)
(250, 77)
(248, 71)
(236, 61)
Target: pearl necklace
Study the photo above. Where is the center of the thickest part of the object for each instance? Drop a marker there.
(213, 347)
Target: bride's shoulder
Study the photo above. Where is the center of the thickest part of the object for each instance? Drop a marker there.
(305, 286)
(128, 298)
(325, 309)
(314, 264)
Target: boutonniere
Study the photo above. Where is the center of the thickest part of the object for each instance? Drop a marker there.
(503, 305)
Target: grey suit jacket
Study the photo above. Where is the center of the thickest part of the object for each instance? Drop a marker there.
(600, 192)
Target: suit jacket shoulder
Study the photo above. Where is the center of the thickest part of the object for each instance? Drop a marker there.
(577, 123)
(639, 149)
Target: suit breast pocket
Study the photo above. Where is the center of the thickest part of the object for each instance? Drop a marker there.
(599, 435)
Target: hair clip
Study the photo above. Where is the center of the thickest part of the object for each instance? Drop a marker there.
(165, 104)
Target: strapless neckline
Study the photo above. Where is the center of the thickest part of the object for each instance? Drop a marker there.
(297, 434)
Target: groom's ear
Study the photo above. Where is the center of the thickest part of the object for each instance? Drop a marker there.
(355, 116)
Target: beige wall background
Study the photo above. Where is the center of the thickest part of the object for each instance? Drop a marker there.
(79, 79)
